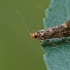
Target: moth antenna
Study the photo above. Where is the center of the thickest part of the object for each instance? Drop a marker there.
(22, 20)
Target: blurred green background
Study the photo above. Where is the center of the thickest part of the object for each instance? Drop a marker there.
(17, 50)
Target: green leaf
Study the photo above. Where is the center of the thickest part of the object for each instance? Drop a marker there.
(57, 57)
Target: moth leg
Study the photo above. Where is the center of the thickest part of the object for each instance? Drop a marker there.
(66, 39)
(51, 42)
(62, 38)
(40, 41)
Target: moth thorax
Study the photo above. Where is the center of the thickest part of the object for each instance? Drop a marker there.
(34, 35)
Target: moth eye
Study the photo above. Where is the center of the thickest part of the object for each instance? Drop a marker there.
(35, 36)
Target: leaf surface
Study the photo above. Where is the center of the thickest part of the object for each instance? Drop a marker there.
(57, 57)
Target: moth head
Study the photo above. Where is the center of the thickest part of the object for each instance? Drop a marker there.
(34, 35)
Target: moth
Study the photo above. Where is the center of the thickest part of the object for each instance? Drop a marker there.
(59, 31)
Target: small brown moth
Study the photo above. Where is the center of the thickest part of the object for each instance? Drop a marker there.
(48, 33)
